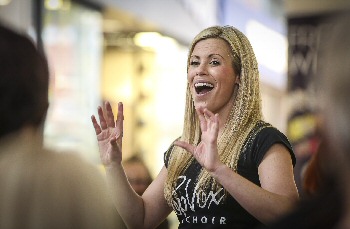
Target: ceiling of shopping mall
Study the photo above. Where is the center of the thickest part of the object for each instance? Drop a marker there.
(130, 16)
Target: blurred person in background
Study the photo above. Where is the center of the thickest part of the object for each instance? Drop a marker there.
(229, 169)
(327, 179)
(40, 189)
(139, 178)
(137, 173)
(318, 174)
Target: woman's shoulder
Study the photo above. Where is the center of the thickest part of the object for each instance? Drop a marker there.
(270, 135)
(168, 153)
(263, 129)
(268, 132)
(262, 137)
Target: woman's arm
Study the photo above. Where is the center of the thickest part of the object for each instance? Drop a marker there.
(137, 212)
(278, 191)
(147, 211)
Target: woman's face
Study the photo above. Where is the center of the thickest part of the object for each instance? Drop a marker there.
(211, 75)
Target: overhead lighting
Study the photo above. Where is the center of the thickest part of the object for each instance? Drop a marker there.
(57, 4)
(155, 41)
(147, 39)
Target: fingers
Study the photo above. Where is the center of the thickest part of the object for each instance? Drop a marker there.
(212, 123)
(215, 125)
(103, 122)
(113, 141)
(208, 114)
(120, 121)
(190, 148)
(120, 116)
(107, 118)
(213, 118)
(96, 126)
(207, 118)
(110, 115)
(115, 146)
(202, 119)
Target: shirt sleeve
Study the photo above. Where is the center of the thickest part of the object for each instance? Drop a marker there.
(268, 137)
(168, 153)
(167, 156)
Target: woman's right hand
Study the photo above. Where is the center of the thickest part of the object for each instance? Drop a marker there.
(109, 134)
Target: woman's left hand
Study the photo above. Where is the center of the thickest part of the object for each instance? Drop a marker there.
(206, 152)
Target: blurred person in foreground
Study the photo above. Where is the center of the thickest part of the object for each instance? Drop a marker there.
(229, 168)
(327, 180)
(40, 189)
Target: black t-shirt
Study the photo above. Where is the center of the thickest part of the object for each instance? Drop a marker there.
(199, 209)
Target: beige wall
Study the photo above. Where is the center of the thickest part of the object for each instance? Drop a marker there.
(274, 106)
(18, 13)
(151, 84)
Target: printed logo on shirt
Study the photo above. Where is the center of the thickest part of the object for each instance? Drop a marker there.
(188, 201)
(204, 220)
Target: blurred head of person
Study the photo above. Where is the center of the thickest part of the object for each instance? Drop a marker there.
(334, 89)
(23, 83)
(39, 188)
(334, 94)
(137, 173)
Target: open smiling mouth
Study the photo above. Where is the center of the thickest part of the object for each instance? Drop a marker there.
(203, 88)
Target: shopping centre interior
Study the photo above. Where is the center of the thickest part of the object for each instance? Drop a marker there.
(135, 52)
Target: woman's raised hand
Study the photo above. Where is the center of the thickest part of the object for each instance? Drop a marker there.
(109, 134)
(206, 152)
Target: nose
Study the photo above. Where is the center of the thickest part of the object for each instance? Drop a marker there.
(201, 69)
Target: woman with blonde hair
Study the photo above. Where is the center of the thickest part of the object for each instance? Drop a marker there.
(229, 168)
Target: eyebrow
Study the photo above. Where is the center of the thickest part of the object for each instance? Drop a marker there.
(210, 55)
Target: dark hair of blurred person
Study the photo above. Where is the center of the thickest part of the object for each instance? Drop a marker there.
(327, 183)
(40, 188)
(23, 83)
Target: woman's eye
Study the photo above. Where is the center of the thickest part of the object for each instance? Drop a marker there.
(194, 62)
(214, 62)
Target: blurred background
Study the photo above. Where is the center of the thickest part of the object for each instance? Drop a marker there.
(136, 51)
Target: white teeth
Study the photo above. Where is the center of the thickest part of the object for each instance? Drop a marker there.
(203, 84)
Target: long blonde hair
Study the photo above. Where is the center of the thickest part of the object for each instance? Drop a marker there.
(245, 112)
